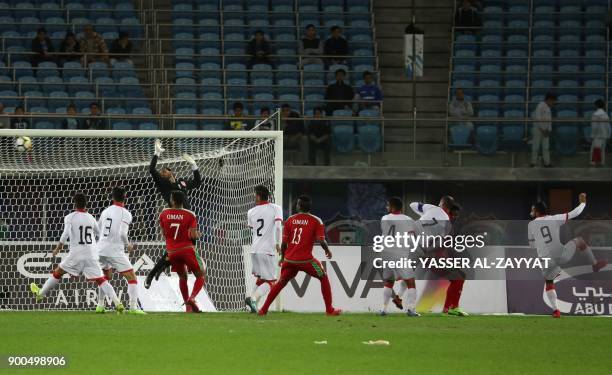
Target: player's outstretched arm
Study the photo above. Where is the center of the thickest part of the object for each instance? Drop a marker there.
(578, 210)
(153, 166)
(325, 247)
(420, 208)
(573, 213)
(196, 181)
(58, 248)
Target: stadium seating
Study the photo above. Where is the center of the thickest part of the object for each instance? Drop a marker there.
(51, 86)
(524, 50)
(208, 56)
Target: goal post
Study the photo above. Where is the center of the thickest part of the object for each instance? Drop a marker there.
(37, 185)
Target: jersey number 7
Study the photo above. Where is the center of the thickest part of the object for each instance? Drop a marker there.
(177, 226)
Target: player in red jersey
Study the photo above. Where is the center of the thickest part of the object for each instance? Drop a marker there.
(300, 233)
(180, 228)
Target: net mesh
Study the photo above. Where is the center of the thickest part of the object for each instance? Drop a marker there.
(36, 188)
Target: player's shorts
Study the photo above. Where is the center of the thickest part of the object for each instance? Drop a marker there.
(263, 266)
(312, 267)
(395, 255)
(559, 257)
(186, 258)
(89, 267)
(119, 262)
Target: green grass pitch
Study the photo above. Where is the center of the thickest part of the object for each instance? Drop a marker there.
(283, 343)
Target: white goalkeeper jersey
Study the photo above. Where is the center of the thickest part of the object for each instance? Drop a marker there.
(114, 225)
(544, 232)
(265, 222)
(80, 231)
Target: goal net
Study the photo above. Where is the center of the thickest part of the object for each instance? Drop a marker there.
(37, 186)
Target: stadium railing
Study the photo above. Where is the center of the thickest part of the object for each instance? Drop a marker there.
(563, 52)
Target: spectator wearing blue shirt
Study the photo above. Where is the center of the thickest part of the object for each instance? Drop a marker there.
(369, 93)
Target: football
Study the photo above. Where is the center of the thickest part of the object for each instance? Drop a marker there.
(23, 144)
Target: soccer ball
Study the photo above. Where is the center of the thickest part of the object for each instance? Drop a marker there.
(23, 144)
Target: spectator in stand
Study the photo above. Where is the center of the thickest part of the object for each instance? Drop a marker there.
(121, 49)
(462, 110)
(293, 130)
(541, 129)
(264, 122)
(93, 46)
(95, 120)
(19, 122)
(467, 18)
(236, 123)
(71, 122)
(5, 121)
(369, 93)
(70, 48)
(311, 46)
(600, 133)
(42, 47)
(319, 132)
(336, 47)
(259, 49)
(339, 95)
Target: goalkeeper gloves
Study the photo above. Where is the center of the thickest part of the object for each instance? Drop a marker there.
(158, 148)
(190, 160)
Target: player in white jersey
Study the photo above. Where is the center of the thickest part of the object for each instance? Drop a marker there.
(544, 236)
(393, 224)
(265, 221)
(114, 225)
(436, 221)
(80, 229)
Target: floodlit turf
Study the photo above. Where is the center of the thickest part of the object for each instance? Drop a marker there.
(283, 343)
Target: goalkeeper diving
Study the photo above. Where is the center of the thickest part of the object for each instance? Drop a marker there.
(166, 182)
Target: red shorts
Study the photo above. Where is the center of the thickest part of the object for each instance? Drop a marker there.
(312, 267)
(186, 258)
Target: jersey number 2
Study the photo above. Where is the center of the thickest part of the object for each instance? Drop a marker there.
(261, 225)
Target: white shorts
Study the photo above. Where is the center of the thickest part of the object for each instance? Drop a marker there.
(89, 267)
(263, 266)
(558, 258)
(393, 274)
(119, 262)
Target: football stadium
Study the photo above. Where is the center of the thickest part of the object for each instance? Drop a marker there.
(305, 186)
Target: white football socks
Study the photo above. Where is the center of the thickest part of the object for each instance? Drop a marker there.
(552, 298)
(261, 291)
(590, 255)
(49, 284)
(387, 294)
(109, 291)
(411, 297)
(133, 293)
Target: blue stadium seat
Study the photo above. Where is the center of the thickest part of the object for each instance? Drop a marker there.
(486, 139)
(459, 137)
(565, 139)
(369, 138)
(343, 137)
